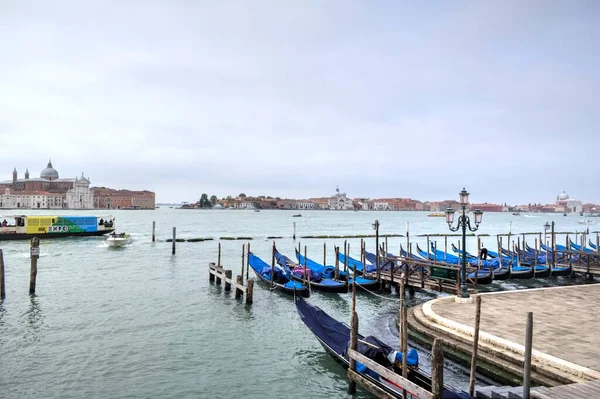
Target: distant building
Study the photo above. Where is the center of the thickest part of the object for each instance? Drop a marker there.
(485, 207)
(339, 201)
(48, 191)
(564, 203)
(108, 198)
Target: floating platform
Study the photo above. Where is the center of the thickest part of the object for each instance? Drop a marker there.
(566, 343)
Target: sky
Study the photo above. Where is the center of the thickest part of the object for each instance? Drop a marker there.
(294, 98)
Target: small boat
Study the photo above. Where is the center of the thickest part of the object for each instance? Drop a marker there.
(517, 213)
(483, 275)
(297, 216)
(334, 336)
(117, 239)
(257, 210)
(28, 226)
(587, 222)
(436, 215)
(313, 278)
(281, 276)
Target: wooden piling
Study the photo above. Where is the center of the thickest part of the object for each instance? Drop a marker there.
(306, 279)
(353, 334)
(247, 262)
(324, 254)
(553, 237)
(174, 240)
(475, 346)
(153, 231)
(294, 236)
(228, 275)
(243, 254)
(337, 263)
(219, 255)
(35, 254)
(2, 287)
(211, 277)
(273, 265)
(403, 328)
(528, 349)
(437, 369)
(249, 291)
(240, 280)
(346, 250)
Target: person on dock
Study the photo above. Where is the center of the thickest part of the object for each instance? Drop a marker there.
(483, 253)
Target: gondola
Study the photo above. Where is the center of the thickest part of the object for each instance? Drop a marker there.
(281, 281)
(386, 265)
(578, 248)
(500, 272)
(334, 336)
(329, 272)
(314, 279)
(357, 265)
(484, 275)
(593, 246)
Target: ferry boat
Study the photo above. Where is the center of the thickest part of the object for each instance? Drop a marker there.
(24, 227)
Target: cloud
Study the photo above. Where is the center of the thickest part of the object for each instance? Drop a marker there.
(292, 99)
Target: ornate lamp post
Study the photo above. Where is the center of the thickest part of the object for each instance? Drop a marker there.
(463, 223)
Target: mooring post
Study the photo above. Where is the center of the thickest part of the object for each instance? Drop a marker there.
(353, 334)
(2, 288)
(273, 265)
(174, 240)
(437, 369)
(407, 236)
(35, 254)
(306, 279)
(475, 346)
(346, 257)
(403, 327)
(219, 254)
(528, 349)
(247, 261)
(294, 236)
(249, 291)
(337, 263)
(240, 280)
(211, 277)
(553, 237)
(324, 254)
(228, 280)
(153, 231)
(243, 253)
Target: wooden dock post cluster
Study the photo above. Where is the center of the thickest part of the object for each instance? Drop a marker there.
(217, 274)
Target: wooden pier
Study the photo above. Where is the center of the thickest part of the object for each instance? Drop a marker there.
(217, 274)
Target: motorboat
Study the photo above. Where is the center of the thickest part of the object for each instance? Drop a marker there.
(118, 239)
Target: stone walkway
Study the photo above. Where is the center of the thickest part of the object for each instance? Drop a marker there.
(566, 320)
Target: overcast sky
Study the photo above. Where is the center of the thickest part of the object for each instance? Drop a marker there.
(291, 98)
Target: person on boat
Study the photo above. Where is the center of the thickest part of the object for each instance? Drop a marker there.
(4, 223)
(101, 223)
(483, 254)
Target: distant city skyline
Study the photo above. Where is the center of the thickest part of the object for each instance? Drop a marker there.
(384, 99)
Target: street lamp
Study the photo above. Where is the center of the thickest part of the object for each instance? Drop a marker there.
(463, 223)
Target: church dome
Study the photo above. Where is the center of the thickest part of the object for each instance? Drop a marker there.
(563, 196)
(49, 172)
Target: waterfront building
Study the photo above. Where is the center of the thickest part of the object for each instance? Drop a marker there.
(340, 201)
(108, 198)
(49, 191)
(485, 207)
(564, 203)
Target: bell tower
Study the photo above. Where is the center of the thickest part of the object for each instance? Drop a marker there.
(15, 176)
(26, 173)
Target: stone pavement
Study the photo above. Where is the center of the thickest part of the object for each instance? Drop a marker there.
(566, 320)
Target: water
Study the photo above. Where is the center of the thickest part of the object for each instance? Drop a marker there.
(139, 322)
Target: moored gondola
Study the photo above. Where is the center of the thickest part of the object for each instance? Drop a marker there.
(483, 275)
(313, 279)
(281, 277)
(334, 336)
(344, 277)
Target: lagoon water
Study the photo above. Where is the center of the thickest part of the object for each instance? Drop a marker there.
(137, 322)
